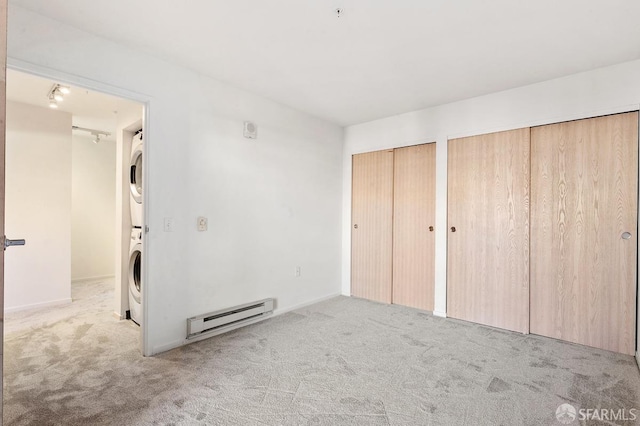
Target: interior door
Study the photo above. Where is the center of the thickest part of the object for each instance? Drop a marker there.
(3, 114)
(372, 226)
(414, 187)
(584, 199)
(488, 219)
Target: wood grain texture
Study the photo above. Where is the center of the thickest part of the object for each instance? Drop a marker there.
(414, 197)
(3, 115)
(372, 213)
(488, 255)
(584, 196)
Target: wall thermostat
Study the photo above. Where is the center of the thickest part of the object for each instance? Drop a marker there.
(250, 130)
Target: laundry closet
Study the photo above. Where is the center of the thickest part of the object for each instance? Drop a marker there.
(541, 229)
(130, 291)
(135, 248)
(80, 141)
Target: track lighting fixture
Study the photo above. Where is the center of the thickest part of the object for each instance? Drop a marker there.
(56, 94)
(97, 134)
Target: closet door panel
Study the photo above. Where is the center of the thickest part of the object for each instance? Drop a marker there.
(372, 226)
(488, 206)
(584, 198)
(413, 226)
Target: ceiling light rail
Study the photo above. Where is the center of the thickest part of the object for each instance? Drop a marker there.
(94, 132)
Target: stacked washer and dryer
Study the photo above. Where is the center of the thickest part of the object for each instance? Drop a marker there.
(135, 249)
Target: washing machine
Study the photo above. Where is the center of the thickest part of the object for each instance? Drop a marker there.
(135, 180)
(135, 277)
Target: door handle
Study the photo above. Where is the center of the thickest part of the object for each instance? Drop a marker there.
(453, 229)
(431, 229)
(10, 243)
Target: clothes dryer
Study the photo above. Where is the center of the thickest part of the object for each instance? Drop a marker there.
(135, 180)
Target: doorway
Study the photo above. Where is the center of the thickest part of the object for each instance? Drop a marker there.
(68, 195)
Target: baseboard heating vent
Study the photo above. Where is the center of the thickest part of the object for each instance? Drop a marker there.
(228, 319)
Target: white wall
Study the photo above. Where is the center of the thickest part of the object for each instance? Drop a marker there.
(93, 195)
(602, 91)
(38, 206)
(272, 203)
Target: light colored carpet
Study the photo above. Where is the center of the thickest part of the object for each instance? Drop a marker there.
(341, 362)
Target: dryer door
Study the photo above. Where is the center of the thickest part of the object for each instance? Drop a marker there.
(135, 175)
(135, 264)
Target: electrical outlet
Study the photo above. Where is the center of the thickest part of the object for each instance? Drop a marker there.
(168, 224)
(298, 271)
(202, 224)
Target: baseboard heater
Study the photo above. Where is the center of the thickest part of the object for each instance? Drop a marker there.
(229, 319)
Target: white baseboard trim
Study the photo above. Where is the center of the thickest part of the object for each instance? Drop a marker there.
(440, 314)
(281, 311)
(118, 316)
(168, 346)
(37, 305)
(96, 278)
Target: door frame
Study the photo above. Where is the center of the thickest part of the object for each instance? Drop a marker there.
(145, 100)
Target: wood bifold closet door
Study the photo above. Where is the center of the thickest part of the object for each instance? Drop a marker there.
(372, 226)
(584, 199)
(414, 183)
(566, 266)
(488, 219)
(392, 234)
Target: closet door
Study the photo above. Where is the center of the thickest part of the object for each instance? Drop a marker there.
(488, 219)
(372, 226)
(414, 186)
(584, 236)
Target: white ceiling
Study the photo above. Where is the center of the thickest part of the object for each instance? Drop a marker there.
(380, 58)
(88, 108)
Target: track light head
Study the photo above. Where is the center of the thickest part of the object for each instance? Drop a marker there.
(56, 94)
